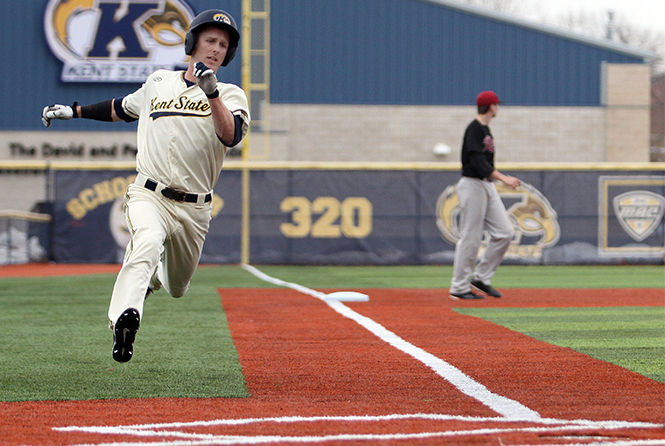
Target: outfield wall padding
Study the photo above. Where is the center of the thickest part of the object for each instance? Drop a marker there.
(376, 216)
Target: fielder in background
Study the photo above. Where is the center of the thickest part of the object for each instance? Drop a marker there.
(481, 208)
(186, 120)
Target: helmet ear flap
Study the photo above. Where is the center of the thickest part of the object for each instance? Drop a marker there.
(230, 54)
(190, 43)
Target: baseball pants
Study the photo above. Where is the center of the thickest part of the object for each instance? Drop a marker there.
(166, 240)
(481, 209)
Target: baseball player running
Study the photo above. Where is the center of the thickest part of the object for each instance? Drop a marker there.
(185, 122)
(481, 208)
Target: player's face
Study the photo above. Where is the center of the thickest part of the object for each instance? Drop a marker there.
(211, 47)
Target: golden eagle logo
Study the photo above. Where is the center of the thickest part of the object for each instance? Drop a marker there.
(534, 219)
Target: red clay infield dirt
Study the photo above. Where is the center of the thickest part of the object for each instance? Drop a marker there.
(305, 363)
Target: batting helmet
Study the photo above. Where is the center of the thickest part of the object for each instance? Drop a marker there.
(220, 19)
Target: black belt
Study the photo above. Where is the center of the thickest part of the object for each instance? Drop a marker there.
(176, 195)
(478, 178)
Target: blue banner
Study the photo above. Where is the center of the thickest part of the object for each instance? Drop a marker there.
(381, 217)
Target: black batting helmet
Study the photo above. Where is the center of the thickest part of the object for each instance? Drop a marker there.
(220, 19)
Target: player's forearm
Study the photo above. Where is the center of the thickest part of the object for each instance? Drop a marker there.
(101, 111)
(223, 121)
(505, 179)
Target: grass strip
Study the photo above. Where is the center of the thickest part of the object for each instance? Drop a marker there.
(630, 337)
(507, 276)
(56, 344)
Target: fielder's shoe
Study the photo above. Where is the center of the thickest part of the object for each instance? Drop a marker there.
(467, 295)
(485, 288)
(124, 333)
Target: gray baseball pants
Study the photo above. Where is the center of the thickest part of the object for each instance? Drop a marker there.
(481, 209)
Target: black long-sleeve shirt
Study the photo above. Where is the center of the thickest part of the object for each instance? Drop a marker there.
(477, 151)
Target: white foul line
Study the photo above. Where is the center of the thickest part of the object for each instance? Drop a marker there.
(505, 406)
(189, 439)
(181, 438)
(395, 417)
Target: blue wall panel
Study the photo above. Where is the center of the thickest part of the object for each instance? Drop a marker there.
(340, 52)
(415, 52)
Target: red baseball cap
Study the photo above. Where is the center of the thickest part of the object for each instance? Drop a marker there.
(487, 98)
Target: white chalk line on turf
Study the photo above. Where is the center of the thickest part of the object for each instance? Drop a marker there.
(465, 384)
(154, 431)
(587, 424)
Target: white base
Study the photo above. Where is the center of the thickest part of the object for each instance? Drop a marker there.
(348, 296)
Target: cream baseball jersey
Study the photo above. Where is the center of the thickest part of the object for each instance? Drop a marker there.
(177, 143)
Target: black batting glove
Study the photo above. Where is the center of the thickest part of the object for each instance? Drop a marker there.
(206, 80)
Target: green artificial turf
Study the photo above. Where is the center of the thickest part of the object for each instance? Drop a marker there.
(56, 345)
(507, 276)
(630, 337)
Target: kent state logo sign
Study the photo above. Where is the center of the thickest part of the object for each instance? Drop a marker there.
(535, 221)
(116, 40)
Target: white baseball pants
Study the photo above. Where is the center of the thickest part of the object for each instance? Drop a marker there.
(166, 240)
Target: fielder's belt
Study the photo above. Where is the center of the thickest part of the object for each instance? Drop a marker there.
(170, 193)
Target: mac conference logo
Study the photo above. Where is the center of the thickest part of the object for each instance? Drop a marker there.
(116, 40)
(639, 212)
(534, 219)
(630, 215)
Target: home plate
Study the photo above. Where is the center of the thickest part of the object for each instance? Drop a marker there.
(347, 296)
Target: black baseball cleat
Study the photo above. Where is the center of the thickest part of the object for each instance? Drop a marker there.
(124, 333)
(468, 296)
(487, 289)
